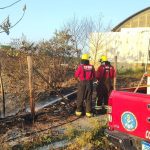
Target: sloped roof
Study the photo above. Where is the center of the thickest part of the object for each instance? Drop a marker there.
(130, 18)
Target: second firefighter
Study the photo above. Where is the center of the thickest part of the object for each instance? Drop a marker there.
(104, 75)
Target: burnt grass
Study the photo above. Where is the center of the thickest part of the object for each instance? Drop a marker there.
(23, 124)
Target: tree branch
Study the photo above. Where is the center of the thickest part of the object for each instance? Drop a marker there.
(10, 5)
(7, 28)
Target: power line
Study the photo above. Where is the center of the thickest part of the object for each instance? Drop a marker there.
(10, 5)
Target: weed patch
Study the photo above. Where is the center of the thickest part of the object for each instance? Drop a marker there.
(90, 139)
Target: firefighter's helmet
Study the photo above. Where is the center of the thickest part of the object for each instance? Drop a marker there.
(85, 56)
(103, 58)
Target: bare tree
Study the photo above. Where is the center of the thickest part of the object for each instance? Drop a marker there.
(76, 28)
(81, 31)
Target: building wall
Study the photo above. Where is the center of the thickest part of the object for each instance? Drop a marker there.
(128, 46)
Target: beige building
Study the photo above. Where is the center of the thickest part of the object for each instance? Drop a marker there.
(129, 41)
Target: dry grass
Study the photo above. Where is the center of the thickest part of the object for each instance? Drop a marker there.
(90, 139)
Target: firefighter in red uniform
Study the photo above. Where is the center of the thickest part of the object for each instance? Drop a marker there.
(104, 75)
(86, 74)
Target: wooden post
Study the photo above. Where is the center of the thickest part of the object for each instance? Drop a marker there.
(30, 72)
(115, 67)
(2, 90)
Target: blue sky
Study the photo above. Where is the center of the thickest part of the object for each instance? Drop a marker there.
(43, 17)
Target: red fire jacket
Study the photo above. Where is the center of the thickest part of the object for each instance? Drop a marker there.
(105, 70)
(85, 72)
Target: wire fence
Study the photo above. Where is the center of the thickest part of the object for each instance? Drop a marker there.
(26, 78)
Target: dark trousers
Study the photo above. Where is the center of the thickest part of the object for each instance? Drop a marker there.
(103, 91)
(85, 90)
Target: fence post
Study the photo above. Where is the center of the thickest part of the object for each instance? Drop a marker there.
(115, 67)
(30, 72)
(2, 90)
